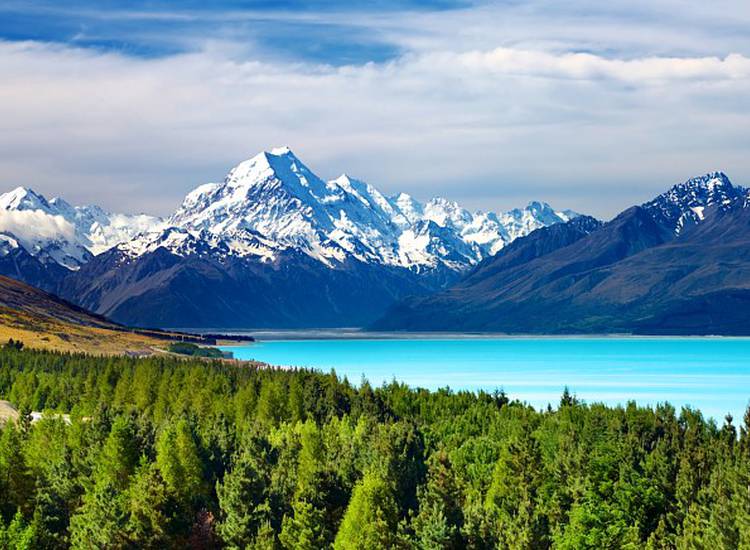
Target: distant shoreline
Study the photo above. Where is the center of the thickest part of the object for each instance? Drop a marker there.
(266, 335)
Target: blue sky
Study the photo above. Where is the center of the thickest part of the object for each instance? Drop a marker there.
(153, 29)
(587, 105)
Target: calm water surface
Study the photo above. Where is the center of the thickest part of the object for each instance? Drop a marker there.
(712, 374)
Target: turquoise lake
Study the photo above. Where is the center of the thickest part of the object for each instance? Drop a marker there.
(711, 374)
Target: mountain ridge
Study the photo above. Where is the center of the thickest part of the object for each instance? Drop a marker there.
(275, 196)
(53, 231)
(271, 245)
(272, 202)
(651, 269)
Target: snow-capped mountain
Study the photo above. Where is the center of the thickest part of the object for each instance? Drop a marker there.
(273, 202)
(30, 221)
(100, 230)
(270, 204)
(688, 203)
(55, 232)
(273, 244)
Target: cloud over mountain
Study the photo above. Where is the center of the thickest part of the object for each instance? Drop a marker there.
(32, 226)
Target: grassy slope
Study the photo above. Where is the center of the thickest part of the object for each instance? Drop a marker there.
(43, 321)
(41, 332)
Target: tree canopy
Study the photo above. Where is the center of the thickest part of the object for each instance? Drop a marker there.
(163, 452)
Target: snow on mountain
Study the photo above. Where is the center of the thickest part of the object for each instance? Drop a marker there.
(55, 231)
(22, 198)
(99, 230)
(522, 221)
(274, 195)
(428, 245)
(177, 240)
(689, 202)
(7, 245)
(446, 213)
(28, 220)
(184, 242)
(411, 209)
(270, 203)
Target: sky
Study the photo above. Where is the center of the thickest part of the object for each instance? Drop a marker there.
(588, 105)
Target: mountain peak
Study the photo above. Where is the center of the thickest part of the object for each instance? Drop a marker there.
(20, 190)
(62, 203)
(266, 158)
(686, 203)
(23, 198)
(54, 231)
(353, 186)
(710, 181)
(443, 202)
(446, 212)
(280, 165)
(344, 180)
(280, 151)
(707, 187)
(412, 209)
(717, 174)
(537, 206)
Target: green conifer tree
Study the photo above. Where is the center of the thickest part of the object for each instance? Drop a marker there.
(242, 496)
(371, 518)
(148, 508)
(513, 494)
(179, 462)
(16, 481)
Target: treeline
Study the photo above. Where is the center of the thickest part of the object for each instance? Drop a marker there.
(170, 453)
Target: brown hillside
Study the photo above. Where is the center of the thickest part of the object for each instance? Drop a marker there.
(42, 320)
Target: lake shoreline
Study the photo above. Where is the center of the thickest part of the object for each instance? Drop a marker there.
(709, 373)
(270, 335)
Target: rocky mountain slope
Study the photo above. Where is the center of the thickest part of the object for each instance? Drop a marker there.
(679, 264)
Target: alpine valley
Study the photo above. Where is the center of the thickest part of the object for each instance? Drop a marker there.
(273, 245)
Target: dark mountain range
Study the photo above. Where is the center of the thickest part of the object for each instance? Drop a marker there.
(163, 289)
(679, 264)
(18, 263)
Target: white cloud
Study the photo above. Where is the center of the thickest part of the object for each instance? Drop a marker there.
(479, 109)
(31, 227)
(585, 66)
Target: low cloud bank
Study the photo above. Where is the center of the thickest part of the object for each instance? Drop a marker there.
(32, 226)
